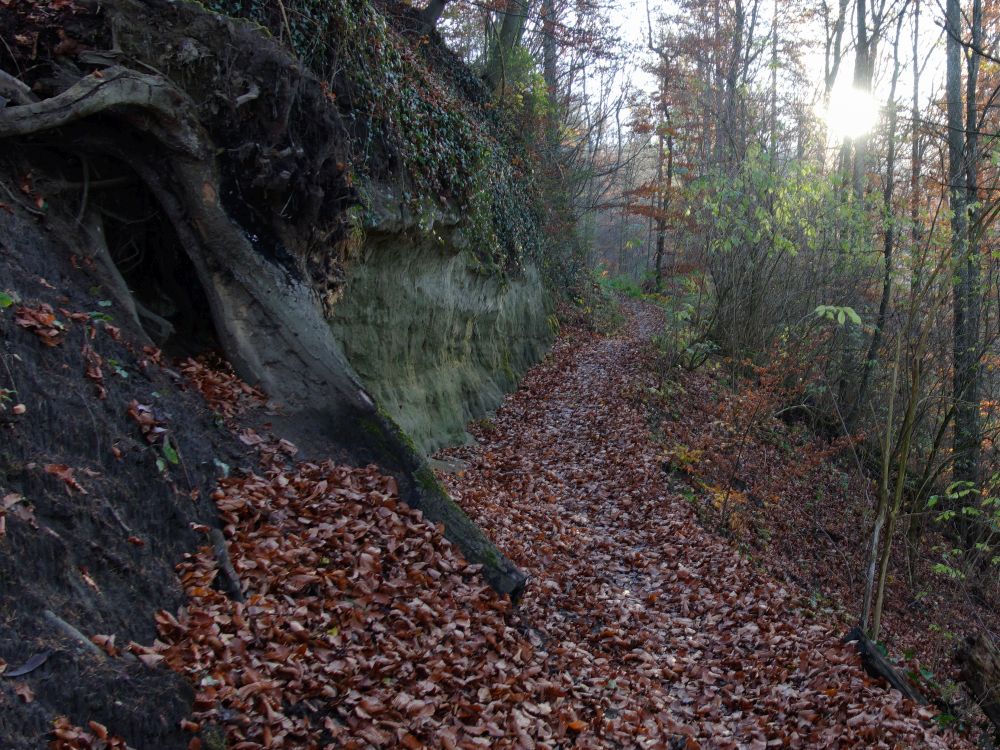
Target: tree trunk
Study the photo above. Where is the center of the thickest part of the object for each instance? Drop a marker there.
(774, 85)
(888, 243)
(979, 661)
(965, 385)
(660, 223)
(915, 519)
(834, 47)
(550, 74)
(882, 511)
(862, 81)
(902, 453)
(550, 50)
(430, 15)
(504, 42)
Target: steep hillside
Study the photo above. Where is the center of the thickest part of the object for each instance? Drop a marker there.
(333, 211)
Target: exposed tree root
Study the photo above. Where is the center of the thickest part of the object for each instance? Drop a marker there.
(269, 323)
(878, 666)
(232, 582)
(72, 633)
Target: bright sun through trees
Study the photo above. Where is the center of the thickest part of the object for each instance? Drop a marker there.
(851, 113)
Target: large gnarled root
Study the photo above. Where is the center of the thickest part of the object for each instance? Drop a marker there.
(174, 123)
(979, 660)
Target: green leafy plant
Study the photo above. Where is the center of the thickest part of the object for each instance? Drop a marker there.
(619, 285)
(117, 368)
(686, 342)
(840, 313)
(974, 514)
(170, 452)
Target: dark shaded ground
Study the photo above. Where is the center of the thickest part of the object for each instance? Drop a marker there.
(99, 548)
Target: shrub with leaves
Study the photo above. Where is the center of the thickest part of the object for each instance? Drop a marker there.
(972, 514)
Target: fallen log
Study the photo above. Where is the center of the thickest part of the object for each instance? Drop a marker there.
(879, 667)
(979, 661)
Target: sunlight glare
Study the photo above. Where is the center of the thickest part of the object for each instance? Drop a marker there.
(852, 113)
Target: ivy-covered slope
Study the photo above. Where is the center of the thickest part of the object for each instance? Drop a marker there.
(433, 289)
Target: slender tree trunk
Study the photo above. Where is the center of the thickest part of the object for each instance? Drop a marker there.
(862, 81)
(661, 207)
(915, 234)
(902, 457)
(971, 429)
(965, 385)
(732, 147)
(888, 242)
(774, 84)
(504, 42)
(882, 511)
(915, 522)
(834, 48)
(550, 56)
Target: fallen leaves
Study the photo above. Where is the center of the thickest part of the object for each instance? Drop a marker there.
(106, 643)
(362, 627)
(224, 392)
(41, 321)
(339, 615)
(661, 619)
(16, 506)
(149, 421)
(67, 736)
(89, 579)
(66, 474)
(93, 362)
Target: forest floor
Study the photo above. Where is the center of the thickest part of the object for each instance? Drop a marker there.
(359, 626)
(669, 627)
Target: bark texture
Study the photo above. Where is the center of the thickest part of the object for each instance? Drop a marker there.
(979, 660)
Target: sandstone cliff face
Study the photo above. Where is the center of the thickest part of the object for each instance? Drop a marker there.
(436, 342)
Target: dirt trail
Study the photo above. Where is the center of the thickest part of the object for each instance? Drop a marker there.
(664, 621)
(359, 626)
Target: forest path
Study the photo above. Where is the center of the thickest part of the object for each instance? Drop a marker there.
(661, 627)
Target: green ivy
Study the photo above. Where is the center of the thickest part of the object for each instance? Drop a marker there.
(450, 150)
